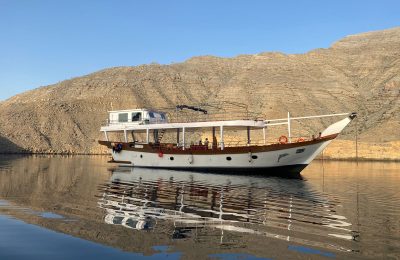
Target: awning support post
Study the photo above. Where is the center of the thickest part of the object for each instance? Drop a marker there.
(214, 139)
(183, 138)
(248, 136)
(105, 134)
(177, 136)
(125, 136)
(264, 135)
(288, 123)
(221, 128)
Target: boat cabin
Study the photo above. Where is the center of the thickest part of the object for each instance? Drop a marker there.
(136, 117)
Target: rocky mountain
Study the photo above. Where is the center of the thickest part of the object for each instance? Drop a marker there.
(358, 73)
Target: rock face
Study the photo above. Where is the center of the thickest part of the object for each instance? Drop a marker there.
(358, 73)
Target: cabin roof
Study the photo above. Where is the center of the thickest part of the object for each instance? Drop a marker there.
(134, 110)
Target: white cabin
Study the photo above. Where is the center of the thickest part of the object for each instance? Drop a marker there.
(136, 117)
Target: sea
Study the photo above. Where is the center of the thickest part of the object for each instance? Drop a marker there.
(81, 207)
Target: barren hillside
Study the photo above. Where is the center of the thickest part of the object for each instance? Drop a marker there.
(358, 73)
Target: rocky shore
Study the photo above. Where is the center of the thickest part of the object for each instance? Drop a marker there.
(367, 151)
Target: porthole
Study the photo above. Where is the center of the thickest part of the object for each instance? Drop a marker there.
(254, 157)
(141, 156)
(300, 150)
(171, 158)
(228, 158)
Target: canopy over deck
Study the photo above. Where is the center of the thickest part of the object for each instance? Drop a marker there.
(228, 123)
(128, 126)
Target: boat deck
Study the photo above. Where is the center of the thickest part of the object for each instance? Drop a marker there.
(172, 148)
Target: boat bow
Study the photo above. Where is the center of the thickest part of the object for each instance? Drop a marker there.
(338, 127)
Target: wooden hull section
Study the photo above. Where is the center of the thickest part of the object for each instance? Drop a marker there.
(285, 171)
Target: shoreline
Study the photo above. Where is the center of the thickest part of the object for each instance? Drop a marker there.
(339, 150)
(320, 157)
(351, 159)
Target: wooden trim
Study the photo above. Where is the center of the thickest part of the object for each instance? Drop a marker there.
(153, 148)
(123, 162)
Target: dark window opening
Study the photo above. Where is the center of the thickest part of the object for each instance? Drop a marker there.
(136, 117)
(254, 156)
(300, 150)
(171, 158)
(141, 156)
(229, 158)
(151, 115)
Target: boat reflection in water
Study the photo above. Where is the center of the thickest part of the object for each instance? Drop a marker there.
(285, 209)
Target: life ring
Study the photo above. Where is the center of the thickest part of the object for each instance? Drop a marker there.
(160, 154)
(300, 140)
(283, 139)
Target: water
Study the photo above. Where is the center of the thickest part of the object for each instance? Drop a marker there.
(82, 207)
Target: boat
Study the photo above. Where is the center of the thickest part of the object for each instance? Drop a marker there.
(139, 134)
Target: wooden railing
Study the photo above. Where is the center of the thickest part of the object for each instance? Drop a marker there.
(230, 143)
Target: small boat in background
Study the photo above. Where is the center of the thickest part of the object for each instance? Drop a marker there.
(148, 127)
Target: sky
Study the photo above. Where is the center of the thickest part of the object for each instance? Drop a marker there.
(43, 42)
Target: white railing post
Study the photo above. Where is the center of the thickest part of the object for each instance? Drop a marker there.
(288, 122)
(105, 134)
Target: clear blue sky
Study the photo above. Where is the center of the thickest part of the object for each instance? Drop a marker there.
(43, 42)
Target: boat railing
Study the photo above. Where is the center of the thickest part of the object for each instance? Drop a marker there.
(229, 143)
(262, 142)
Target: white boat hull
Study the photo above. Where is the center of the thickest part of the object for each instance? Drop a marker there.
(291, 159)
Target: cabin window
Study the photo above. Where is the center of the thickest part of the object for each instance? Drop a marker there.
(117, 220)
(123, 117)
(136, 117)
(228, 158)
(171, 158)
(163, 116)
(151, 115)
(254, 157)
(131, 223)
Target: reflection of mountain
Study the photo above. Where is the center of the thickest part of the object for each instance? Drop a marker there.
(66, 186)
(6, 146)
(273, 207)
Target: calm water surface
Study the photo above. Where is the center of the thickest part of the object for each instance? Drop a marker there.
(82, 207)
